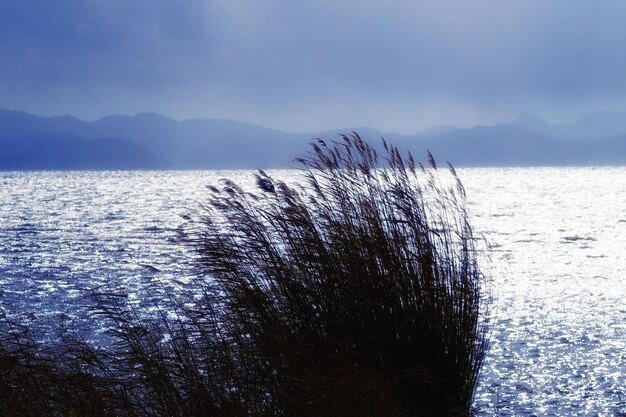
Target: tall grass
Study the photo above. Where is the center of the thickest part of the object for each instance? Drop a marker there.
(354, 293)
(176, 366)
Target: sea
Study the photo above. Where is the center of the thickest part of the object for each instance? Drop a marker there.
(555, 267)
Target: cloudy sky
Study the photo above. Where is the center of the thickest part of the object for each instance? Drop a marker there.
(310, 65)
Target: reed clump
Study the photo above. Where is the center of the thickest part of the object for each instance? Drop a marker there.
(175, 366)
(355, 292)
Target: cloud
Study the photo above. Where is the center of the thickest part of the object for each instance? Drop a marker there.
(313, 64)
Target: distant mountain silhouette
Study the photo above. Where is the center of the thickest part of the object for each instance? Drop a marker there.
(62, 152)
(500, 145)
(597, 125)
(17, 124)
(202, 143)
(152, 141)
(195, 143)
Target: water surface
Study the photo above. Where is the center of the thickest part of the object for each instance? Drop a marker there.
(558, 264)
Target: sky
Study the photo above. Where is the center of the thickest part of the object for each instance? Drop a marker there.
(311, 65)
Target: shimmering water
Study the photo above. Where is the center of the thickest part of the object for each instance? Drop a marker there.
(558, 265)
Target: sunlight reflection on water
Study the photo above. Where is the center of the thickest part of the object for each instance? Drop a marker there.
(558, 335)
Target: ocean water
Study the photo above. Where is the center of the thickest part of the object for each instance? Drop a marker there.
(557, 267)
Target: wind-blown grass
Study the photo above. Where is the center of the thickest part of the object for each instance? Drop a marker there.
(354, 293)
(358, 292)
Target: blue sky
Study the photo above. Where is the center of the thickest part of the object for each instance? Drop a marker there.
(311, 65)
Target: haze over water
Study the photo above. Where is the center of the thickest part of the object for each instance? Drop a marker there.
(557, 266)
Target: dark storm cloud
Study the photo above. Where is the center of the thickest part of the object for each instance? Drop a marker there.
(313, 64)
(76, 41)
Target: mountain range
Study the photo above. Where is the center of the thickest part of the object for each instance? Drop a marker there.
(153, 141)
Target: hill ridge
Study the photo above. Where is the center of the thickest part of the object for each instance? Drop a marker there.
(198, 143)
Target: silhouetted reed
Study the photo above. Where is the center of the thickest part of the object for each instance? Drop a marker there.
(173, 366)
(354, 293)
(45, 380)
